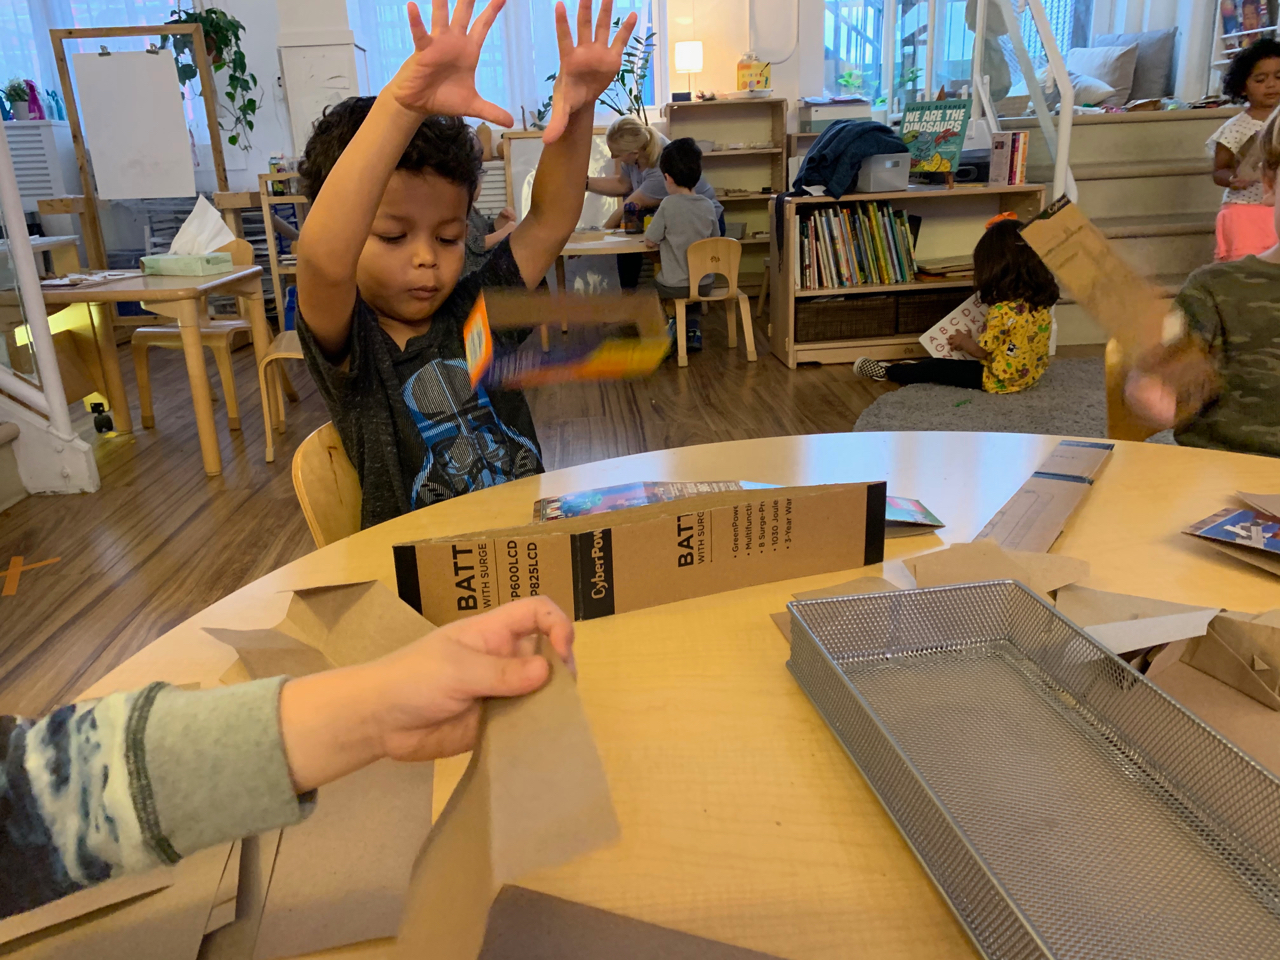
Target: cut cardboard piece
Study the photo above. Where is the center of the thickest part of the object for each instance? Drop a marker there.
(223, 910)
(1264, 502)
(850, 588)
(1251, 535)
(1231, 651)
(648, 555)
(324, 627)
(235, 940)
(342, 875)
(1128, 306)
(1248, 724)
(1124, 623)
(1034, 516)
(526, 925)
(165, 924)
(82, 902)
(986, 560)
(534, 796)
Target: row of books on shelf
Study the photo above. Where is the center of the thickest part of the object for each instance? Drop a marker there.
(854, 244)
(1009, 158)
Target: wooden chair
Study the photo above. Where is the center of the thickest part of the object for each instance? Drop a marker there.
(274, 384)
(327, 486)
(716, 255)
(216, 335)
(1121, 423)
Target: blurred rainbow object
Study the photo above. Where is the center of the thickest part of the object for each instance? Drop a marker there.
(607, 337)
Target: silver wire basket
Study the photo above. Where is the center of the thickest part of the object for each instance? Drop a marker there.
(1064, 805)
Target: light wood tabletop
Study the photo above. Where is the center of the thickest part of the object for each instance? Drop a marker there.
(613, 242)
(742, 817)
(178, 298)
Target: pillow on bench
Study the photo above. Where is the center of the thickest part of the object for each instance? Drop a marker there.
(1153, 74)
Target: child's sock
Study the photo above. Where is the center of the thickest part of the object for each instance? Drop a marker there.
(871, 369)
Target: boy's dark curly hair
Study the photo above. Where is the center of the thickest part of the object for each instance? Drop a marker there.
(1005, 268)
(445, 145)
(1242, 64)
(681, 160)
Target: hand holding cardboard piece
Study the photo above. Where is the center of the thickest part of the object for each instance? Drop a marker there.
(987, 560)
(534, 796)
(1243, 652)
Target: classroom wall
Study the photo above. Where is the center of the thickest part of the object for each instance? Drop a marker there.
(725, 29)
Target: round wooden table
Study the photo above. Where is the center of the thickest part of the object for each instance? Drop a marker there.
(742, 818)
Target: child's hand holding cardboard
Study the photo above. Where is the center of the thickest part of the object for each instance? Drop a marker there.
(588, 68)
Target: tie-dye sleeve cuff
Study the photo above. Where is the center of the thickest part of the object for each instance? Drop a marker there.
(210, 767)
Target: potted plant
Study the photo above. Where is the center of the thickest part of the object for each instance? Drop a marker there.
(222, 43)
(15, 91)
(626, 94)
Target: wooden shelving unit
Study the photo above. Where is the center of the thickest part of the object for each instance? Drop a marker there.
(760, 170)
(951, 223)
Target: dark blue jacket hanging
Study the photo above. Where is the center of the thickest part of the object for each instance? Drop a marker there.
(836, 157)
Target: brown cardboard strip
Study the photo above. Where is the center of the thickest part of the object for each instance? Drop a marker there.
(235, 940)
(272, 653)
(83, 902)
(1034, 516)
(849, 588)
(223, 910)
(166, 924)
(526, 925)
(1266, 502)
(512, 308)
(533, 796)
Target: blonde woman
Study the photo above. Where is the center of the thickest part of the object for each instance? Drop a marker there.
(636, 148)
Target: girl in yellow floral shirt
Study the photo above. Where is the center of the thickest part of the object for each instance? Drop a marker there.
(1013, 352)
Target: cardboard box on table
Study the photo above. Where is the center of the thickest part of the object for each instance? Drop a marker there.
(341, 875)
(644, 556)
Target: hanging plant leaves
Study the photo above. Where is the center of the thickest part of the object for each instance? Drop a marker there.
(222, 34)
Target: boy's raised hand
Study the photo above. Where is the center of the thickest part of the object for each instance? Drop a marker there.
(588, 68)
(440, 75)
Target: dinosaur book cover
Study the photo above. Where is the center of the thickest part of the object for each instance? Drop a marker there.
(933, 131)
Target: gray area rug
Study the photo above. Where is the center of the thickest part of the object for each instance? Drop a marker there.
(1070, 400)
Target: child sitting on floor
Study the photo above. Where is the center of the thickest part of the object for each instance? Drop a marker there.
(380, 301)
(1233, 310)
(1244, 223)
(683, 218)
(1013, 352)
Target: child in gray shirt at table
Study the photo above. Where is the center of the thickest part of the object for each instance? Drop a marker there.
(683, 218)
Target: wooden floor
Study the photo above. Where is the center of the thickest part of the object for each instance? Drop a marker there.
(160, 541)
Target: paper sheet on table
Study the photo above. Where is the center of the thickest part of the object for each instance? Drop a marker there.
(987, 560)
(204, 231)
(533, 796)
(1124, 623)
(134, 128)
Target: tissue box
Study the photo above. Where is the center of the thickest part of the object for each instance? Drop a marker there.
(179, 265)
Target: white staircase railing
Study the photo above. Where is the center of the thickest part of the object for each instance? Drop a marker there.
(51, 457)
(1058, 140)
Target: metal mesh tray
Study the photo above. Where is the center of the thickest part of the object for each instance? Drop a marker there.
(1064, 805)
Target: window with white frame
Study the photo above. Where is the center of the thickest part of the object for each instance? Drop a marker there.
(519, 55)
(27, 52)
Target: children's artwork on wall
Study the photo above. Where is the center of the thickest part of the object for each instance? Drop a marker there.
(134, 128)
(933, 131)
(582, 274)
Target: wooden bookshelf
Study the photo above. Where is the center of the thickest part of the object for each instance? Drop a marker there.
(951, 223)
(761, 171)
